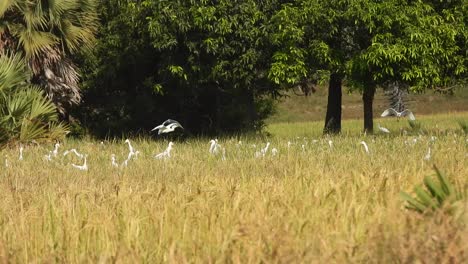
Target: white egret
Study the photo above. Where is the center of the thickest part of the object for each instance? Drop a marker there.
(330, 143)
(393, 112)
(167, 126)
(166, 153)
(20, 153)
(114, 161)
(214, 147)
(366, 148)
(74, 151)
(83, 167)
(130, 147)
(55, 151)
(265, 149)
(274, 152)
(48, 157)
(383, 129)
(224, 154)
(428, 154)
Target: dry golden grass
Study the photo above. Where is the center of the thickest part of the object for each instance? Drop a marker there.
(317, 205)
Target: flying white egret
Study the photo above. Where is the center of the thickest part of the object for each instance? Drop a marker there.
(167, 126)
(55, 151)
(83, 167)
(366, 148)
(166, 153)
(383, 129)
(428, 154)
(393, 112)
(114, 161)
(20, 153)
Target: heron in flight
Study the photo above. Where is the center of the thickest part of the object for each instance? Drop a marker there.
(167, 126)
(393, 112)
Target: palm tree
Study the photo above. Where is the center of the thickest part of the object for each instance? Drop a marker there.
(47, 32)
(25, 113)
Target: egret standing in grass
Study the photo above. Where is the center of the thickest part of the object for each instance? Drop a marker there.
(20, 153)
(393, 112)
(366, 148)
(427, 157)
(167, 126)
(74, 151)
(383, 129)
(166, 154)
(55, 151)
(214, 147)
(83, 167)
(265, 149)
(114, 161)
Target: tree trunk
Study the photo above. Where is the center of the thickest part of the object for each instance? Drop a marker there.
(368, 99)
(333, 117)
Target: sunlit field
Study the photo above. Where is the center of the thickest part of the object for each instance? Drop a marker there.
(318, 200)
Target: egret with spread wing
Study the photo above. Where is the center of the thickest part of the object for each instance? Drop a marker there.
(393, 112)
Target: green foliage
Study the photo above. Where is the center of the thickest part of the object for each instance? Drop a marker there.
(438, 194)
(25, 113)
(47, 34)
(202, 63)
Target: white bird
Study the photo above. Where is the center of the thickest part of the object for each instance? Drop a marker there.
(366, 148)
(166, 153)
(114, 161)
(74, 151)
(214, 147)
(83, 167)
(224, 154)
(330, 143)
(48, 157)
(393, 112)
(55, 151)
(274, 152)
(383, 129)
(167, 126)
(130, 147)
(265, 149)
(428, 154)
(20, 153)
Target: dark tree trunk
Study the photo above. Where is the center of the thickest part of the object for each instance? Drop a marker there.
(368, 99)
(333, 117)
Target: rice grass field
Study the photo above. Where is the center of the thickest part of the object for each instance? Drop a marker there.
(309, 203)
